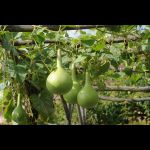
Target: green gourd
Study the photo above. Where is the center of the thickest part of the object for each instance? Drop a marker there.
(19, 115)
(8, 110)
(87, 97)
(59, 81)
(71, 96)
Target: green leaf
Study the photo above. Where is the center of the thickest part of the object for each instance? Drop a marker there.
(7, 36)
(75, 41)
(128, 71)
(18, 72)
(51, 35)
(80, 59)
(88, 42)
(59, 37)
(21, 76)
(39, 78)
(104, 68)
(115, 75)
(146, 34)
(41, 66)
(135, 78)
(114, 63)
(10, 68)
(66, 59)
(8, 46)
(144, 68)
(39, 39)
(101, 84)
(147, 48)
(21, 72)
(18, 35)
(99, 46)
(43, 103)
(40, 30)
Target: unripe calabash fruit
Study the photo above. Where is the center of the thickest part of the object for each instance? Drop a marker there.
(19, 115)
(71, 96)
(59, 81)
(87, 97)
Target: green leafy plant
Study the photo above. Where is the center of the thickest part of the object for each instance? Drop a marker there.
(27, 60)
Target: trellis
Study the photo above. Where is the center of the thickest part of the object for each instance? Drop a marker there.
(29, 28)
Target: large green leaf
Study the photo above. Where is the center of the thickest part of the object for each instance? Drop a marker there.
(10, 68)
(39, 65)
(66, 60)
(6, 38)
(135, 78)
(21, 72)
(51, 35)
(75, 41)
(99, 46)
(80, 59)
(18, 35)
(18, 71)
(88, 42)
(43, 103)
(39, 39)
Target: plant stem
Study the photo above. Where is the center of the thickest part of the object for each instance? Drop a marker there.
(66, 110)
(83, 112)
(70, 107)
(84, 115)
(87, 78)
(79, 114)
(18, 100)
(74, 78)
(59, 60)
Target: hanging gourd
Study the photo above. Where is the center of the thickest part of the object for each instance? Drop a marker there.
(19, 115)
(71, 96)
(59, 81)
(87, 97)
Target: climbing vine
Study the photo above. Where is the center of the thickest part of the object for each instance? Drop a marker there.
(114, 55)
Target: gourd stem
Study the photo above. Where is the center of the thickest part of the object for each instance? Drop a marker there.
(18, 100)
(74, 78)
(87, 78)
(59, 59)
(84, 115)
(66, 110)
(79, 114)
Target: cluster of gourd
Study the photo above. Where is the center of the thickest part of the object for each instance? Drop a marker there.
(60, 82)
